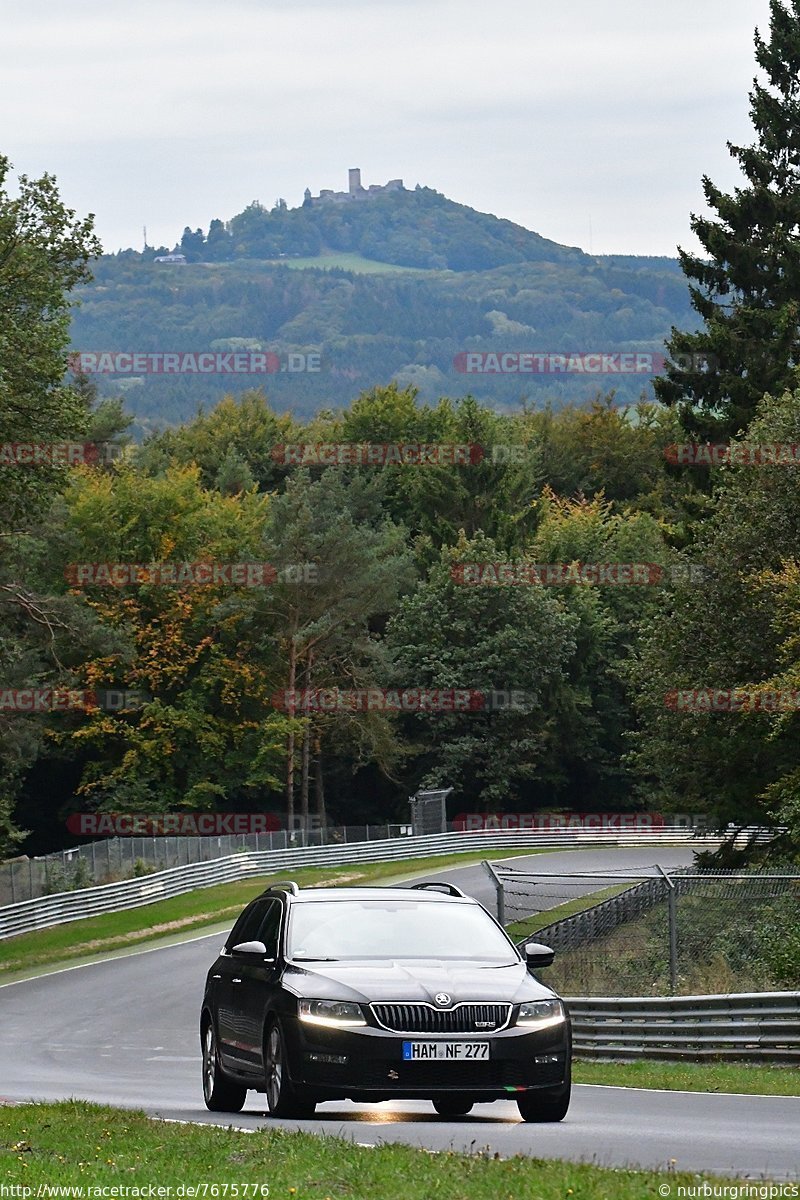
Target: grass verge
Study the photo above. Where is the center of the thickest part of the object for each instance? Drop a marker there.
(85, 1145)
(692, 1077)
(529, 925)
(202, 908)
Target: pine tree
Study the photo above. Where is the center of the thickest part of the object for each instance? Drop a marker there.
(747, 289)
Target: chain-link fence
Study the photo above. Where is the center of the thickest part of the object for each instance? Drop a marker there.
(657, 932)
(125, 858)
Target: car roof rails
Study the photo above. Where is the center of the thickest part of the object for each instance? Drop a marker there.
(452, 890)
(284, 883)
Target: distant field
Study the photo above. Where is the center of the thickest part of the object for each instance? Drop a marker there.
(347, 262)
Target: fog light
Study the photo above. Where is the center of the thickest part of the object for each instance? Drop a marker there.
(546, 1058)
(338, 1059)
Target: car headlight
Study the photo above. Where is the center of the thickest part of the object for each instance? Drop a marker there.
(335, 1013)
(540, 1014)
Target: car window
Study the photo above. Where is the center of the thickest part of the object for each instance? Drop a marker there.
(269, 929)
(395, 929)
(247, 927)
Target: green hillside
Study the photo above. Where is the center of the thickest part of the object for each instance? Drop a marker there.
(392, 288)
(419, 228)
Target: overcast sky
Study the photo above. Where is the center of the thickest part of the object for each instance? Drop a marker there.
(591, 123)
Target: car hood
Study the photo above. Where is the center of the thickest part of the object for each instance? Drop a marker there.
(403, 981)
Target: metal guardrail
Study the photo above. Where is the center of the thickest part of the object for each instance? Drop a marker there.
(45, 911)
(114, 858)
(757, 1026)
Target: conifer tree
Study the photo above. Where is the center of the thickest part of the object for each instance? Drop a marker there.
(747, 285)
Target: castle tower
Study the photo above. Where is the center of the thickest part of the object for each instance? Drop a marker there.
(354, 175)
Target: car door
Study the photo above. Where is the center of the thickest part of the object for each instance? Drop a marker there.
(252, 986)
(234, 1048)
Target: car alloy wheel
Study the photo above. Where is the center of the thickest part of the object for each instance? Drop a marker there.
(220, 1093)
(282, 1100)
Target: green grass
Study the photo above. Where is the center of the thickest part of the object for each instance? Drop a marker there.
(692, 1077)
(201, 909)
(520, 929)
(728, 941)
(85, 1145)
(346, 261)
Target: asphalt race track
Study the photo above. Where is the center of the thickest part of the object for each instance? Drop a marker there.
(124, 1032)
(475, 880)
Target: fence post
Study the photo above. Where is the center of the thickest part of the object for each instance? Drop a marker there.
(672, 910)
(499, 889)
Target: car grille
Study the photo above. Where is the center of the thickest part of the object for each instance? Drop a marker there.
(424, 1018)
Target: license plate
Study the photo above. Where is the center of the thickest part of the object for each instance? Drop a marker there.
(455, 1051)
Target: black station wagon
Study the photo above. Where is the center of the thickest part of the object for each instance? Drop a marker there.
(381, 994)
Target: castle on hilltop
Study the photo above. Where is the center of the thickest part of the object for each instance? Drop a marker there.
(355, 190)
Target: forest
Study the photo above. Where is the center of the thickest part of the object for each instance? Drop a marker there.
(313, 609)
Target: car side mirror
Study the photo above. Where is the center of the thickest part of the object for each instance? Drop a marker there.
(253, 949)
(537, 955)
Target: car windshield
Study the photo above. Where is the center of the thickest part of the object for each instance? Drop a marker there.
(329, 930)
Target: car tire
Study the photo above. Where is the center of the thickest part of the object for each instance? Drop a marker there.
(452, 1106)
(545, 1104)
(220, 1093)
(282, 1098)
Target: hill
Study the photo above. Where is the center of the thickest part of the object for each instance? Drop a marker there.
(419, 228)
(399, 286)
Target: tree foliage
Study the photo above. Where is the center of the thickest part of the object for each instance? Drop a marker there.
(745, 287)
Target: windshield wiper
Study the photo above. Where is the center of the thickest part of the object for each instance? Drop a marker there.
(303, 958)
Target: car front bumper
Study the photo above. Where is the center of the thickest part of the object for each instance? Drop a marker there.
(367, 1063)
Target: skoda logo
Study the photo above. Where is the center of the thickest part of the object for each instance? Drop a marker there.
(442, 998)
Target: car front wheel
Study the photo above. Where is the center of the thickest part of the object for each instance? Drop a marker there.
(282, 1099)
(547, 1104)
(220, 1093)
